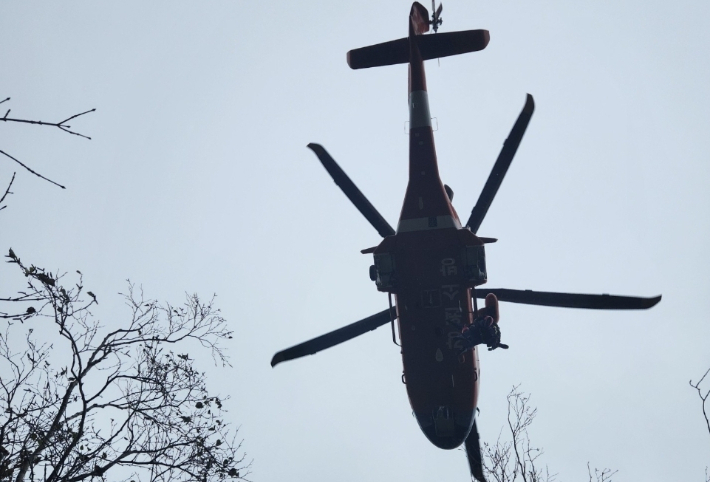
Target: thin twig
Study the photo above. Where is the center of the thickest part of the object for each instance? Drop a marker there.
(7, 191)
(704, 398)
(61, 125)
(29, 169)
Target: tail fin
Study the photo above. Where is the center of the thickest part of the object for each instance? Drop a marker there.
(431, 47)
(419, 18)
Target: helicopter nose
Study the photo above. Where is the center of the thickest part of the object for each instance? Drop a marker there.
(445, 428)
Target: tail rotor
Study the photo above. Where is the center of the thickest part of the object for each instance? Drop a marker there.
(436, 19)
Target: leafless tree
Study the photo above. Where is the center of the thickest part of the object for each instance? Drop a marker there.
(516, 458)
(506, 461)
(62, 125)
(124, 403)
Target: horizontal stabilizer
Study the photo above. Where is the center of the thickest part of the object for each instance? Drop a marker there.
(431, 47)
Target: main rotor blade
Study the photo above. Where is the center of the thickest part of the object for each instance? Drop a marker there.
(473, 453)
(351, 191)
(335, 337)
(570, 300)
(495, 178)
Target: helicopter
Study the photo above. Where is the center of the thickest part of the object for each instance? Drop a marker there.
(435, 266)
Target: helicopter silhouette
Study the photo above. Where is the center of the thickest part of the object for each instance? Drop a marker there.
(434, 265)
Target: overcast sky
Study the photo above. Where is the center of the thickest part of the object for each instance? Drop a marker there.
(197, 179)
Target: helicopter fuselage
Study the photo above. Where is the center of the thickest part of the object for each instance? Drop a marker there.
(431, 265)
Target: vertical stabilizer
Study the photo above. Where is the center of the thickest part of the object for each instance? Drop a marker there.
(419, 19)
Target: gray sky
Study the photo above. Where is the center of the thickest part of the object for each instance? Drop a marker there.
(198, 179)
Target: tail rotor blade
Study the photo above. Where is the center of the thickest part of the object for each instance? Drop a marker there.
(351, 191)
(335, 337)
(510, 146)
(571, 300)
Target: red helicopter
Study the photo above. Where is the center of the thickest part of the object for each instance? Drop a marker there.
(432, 264)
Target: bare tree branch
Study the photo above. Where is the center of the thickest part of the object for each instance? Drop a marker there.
(7, 191)
(60, 125)
(703, 398)
(119, 402)
(30, 169)
(603, 475)
(506, 461)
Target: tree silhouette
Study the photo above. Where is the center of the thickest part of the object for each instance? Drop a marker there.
(121, 402)
(517, 459)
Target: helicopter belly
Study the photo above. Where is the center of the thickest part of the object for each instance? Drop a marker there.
(442, 386)
(434, 304)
